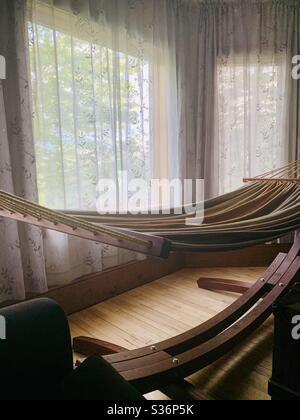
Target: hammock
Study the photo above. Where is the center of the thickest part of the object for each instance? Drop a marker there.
(266, 208)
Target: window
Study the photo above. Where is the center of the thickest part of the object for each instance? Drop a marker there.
(250, 112)
(91, 110)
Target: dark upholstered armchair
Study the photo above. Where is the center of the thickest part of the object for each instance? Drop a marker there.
(36, 360)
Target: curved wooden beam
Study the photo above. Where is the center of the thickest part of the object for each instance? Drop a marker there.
(152, 367)
(147, 377)
(219, 322)
(215, 325)
(179, 390)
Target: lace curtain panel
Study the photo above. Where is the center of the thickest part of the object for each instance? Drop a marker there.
(239, 103)
(103, 101)
(104, 79)
(101, 80)
(102, 86)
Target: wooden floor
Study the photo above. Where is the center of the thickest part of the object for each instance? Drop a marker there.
(172, 305)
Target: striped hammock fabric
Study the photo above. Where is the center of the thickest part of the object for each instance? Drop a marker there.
(265, 209)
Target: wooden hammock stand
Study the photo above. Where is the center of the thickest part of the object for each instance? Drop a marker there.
(171, 361)
(151, 368)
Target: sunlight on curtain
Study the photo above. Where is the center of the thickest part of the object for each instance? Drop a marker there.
(251, 117)
(96, 89)
(238, 101)
(103, 78)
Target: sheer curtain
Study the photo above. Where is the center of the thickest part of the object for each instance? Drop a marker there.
(22, 268)
(102, 79)
(239, 103)
(104, 93)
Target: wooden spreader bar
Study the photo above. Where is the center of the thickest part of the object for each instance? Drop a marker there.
(285, 180)
(18, 209)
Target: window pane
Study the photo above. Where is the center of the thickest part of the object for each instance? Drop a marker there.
(92, 116)
(251, 118)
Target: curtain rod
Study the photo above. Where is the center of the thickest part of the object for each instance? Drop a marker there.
(240, 2)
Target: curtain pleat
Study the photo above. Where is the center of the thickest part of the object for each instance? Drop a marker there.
(22, 268)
